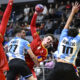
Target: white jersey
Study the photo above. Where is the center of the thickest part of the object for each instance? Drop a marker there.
(68, 47)
(17, 47)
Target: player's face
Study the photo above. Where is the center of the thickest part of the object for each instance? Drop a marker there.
(23, 34)
(47, 41)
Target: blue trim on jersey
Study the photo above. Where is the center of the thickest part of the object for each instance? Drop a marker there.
(28, 76)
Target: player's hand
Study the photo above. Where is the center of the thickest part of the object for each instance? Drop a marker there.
(39, 8)
(75, 8)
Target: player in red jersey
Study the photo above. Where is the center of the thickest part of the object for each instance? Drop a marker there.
(3, 25)
(38, 46)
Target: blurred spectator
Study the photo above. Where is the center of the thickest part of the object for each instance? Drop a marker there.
(48, 26)
(13, 17)
(30, 14)
(26, 12)
(47, 16)
(60, 27)
(42, 29)
(49, 65)
(31, 10)
(57, 12)
(68, 5)
(6, 40)
(72, 4)
(30, 17)
(56, 7)
(10, 30)
(51, 10)
(40, 17)
(45, 10)
(62, 6)
(1, 13)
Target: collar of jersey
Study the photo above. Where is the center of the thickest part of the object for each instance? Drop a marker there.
(17, 37)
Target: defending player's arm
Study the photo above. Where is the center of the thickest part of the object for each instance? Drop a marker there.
(6, 17)
(74, 10)
(34, 58)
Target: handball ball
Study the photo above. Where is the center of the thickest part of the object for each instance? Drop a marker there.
(39, 8)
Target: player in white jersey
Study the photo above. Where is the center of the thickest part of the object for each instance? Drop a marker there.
(17, 64)
(66, 54)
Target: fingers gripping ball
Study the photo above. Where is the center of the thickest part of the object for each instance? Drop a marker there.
(39, 8)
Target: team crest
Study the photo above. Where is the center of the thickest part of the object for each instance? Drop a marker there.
(28, 45)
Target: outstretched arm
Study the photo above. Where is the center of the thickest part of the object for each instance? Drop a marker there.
(74, 10)
(6, 17)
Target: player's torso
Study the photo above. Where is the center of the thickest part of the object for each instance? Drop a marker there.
(16, 48)
(68, 49)
(37, 47)
(38, 50)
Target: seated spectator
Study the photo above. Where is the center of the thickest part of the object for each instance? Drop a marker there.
(45, 10)
(68, 5)
(61, 7)
(51, 10)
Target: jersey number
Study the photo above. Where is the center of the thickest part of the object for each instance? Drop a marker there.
(15, 46)
(67, 49)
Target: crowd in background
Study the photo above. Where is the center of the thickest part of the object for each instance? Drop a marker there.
(52, 20)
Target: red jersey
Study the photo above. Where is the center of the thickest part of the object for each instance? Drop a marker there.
(36, 45)
(3, 60)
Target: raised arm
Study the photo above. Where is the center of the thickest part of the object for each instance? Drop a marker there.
(5, 18)
(33, 21)
(75, 9)
(38, 9)
(33, 26)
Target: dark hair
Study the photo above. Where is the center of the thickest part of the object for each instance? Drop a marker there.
(46, 35)
(17, 31)
(73, 32)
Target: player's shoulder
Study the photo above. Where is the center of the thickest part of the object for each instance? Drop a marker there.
(25, 41)
(65, 30)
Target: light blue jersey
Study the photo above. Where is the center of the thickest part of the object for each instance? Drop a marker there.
(68, 47)
(17, 47)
